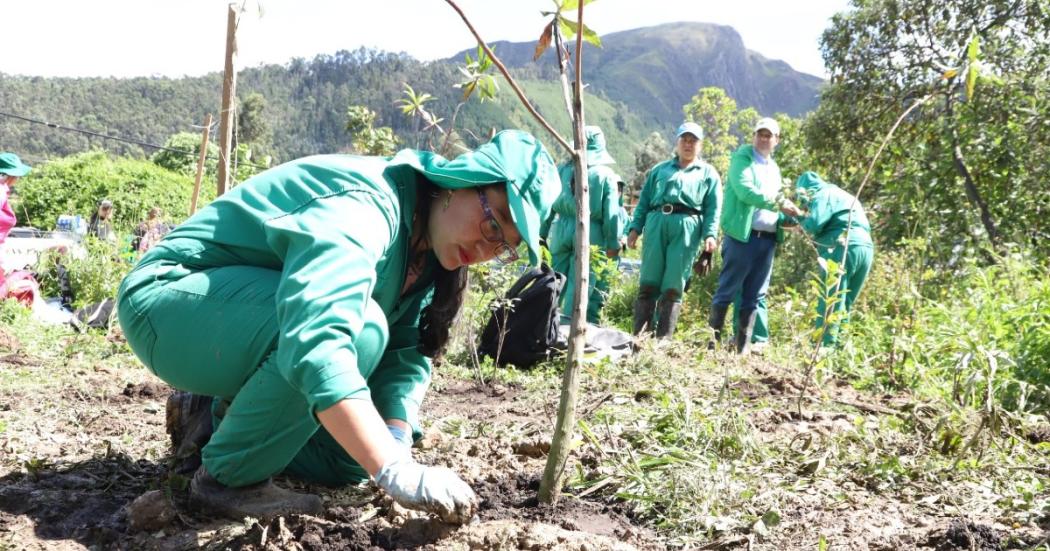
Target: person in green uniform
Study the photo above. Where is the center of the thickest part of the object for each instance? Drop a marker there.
(678, 212)
(752, 225)
(309, 301)
(605, 227)
(830, 211)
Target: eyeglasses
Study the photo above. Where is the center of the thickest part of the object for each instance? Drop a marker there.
(493, 233)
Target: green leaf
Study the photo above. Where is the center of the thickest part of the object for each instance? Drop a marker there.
(591, 36)
(971, 78)
(822, 543)
(570, 28)
(974, 49)
(567, 28)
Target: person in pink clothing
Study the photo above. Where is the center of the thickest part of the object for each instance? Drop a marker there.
(11, 169)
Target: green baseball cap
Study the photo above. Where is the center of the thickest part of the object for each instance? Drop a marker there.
(512, 156)
(11, 165)
(597, 153)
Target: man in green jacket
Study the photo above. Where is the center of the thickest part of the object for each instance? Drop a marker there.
(752, 226)
(831, 213)
(678, 212)
(308, 302)
(606, 224)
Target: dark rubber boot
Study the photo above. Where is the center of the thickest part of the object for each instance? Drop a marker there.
(643, 315)
(188, 421)
(261, 500)
(717, 321)
(667, 318)
(746, 329)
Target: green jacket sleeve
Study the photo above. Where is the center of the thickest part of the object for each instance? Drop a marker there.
(403, 374)
(818, 215)
(712, 207)
(328, 275)
(641, 210)
(742, 184)
(610, 213)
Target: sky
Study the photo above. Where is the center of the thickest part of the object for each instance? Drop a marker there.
(126, 38)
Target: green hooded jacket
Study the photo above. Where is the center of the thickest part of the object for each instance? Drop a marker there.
(828, 212)
(746, 191)
(338, 229)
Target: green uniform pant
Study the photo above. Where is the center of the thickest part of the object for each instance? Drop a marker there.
(761, 332)
(214, 332)
(563, 260)
(668, 250)
(858, 265)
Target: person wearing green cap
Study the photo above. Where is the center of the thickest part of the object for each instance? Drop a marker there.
(11, 169)
(309, 301)
(605, 227)
(678, 211)
(830, 212)
(752, 224)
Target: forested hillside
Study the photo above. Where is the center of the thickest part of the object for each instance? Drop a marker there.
(639, 81)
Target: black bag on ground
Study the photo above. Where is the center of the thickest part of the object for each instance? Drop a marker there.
(523, 329)
(98, 315)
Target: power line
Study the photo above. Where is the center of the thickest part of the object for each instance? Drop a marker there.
(110, 137)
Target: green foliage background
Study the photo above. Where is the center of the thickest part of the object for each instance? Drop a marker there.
(75, 184)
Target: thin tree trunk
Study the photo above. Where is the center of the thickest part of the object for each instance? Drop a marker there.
(969, 185)
(550, 485)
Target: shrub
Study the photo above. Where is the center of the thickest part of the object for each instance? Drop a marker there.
(75, 184)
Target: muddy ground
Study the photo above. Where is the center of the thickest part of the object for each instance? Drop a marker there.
(82, 438)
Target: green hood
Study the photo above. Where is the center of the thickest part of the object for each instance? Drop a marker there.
(597, 154)
(807, 186)
(512, 156)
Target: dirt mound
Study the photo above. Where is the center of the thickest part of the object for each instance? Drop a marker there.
(964, 534)
(1038, 434)
(149, 389)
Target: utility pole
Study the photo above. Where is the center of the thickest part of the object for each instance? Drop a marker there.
(200, 165)
(229, 107)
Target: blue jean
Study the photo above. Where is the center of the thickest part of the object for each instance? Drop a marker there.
(746, 268)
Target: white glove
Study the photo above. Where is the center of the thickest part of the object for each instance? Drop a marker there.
(433, 489)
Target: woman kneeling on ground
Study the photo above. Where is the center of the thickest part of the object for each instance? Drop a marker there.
(307, 304)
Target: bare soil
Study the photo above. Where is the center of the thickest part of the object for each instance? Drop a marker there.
(76, 457)
(82, 438)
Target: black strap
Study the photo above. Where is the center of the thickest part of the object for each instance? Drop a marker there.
(677, 209)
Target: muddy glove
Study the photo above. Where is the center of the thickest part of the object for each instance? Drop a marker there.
(433, 489)
(702, 266)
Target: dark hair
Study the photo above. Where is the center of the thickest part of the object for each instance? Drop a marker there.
(450, 286)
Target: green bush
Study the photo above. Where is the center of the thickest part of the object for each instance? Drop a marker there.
(986, 333)
(75, 184)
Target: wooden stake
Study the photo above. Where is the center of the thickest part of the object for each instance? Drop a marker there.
(229, 107)
(200, 165)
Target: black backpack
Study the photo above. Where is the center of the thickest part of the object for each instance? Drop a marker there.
(523, 330)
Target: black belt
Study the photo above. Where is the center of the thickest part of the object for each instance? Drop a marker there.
(764, 234)
(677, 209)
